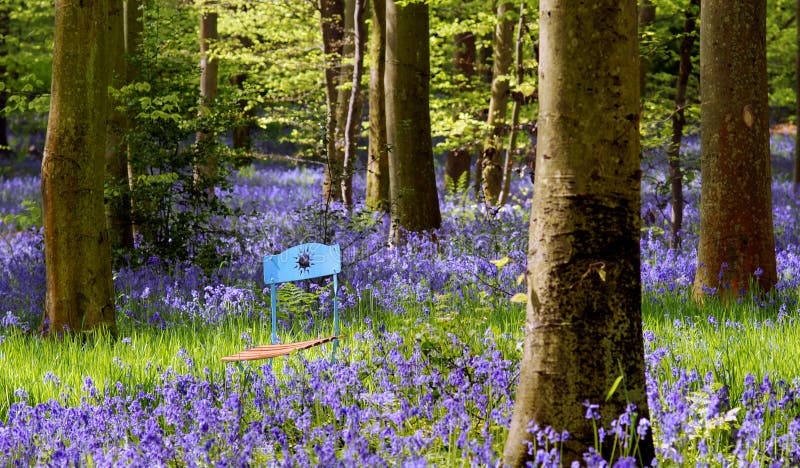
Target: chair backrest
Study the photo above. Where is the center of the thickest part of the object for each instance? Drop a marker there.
(304, 261)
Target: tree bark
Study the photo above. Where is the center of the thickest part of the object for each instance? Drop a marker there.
(332, 26)
(584, 321)
(491, 155)
(457, 160)
(118, 211)
(414, 199)
(679, 121)
(647, 16)
(353, 116)
(133, 26)
(796, 176)
(5, 150)
(736, 233)
(80, 291)
(512, 135)
(377, 198)
(209, 76)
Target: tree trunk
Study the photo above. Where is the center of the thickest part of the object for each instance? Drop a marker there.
(209, 75)
(378, 159)
(736, 233)
(133, 31)
(796, 177)
(240, 136)
(512, 136)
(496, 120)
(679, 121)
(457, 160)
(5, 150)
(80, 291)
(414, 200)
(584, 321)
(332, 26)
(353, 116)
(118, 211)
(647, 16)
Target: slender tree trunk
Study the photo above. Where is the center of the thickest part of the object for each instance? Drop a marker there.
(414, 199)
(647, 16)
(80, 291)
(209, 76)
(353, 119)
(458, 160)
(5, 150)
(679, 121)
(584, 321)
(736, 233)
(796, 177)
(332, 25)
(512, 136)
(378, 160)
(240, 136)
(118, 211)
(133, 30)
(492, 154)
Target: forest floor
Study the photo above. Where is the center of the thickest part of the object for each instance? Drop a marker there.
(427, 370)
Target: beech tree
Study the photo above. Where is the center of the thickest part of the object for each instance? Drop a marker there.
(492, 155)
(209, 82)
(737, 244)
(412, 182)
(80, 291)
(120, 225)
(4, 30)
(332, 28)
(584, 322)
(457, 160)
(377, 198)
(796, 174)
(679, 121)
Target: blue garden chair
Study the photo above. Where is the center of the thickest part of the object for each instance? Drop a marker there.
(300, 262)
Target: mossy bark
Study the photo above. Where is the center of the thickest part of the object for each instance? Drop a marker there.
(492, 154)
(584, 321)
(209, 85)
(796, 176)
(377, 198)
(80, 292)
(736, 233)
(414, 199)
(4, 31)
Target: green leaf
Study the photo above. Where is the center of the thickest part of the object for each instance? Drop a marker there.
(614, 387)
(519, 298)
(500, 263)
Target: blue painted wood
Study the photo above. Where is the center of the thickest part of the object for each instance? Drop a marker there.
(301, 262)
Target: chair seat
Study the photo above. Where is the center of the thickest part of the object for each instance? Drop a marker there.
(275, 350)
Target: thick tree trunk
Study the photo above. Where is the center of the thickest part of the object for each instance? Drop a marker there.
(512, 135)
(378, 159)
(796, 177)
(209, 76)
(492, 154)
(118, 211)
(584, 321)
(332, 26)
(80, 291)
(414, 200)
(353, 116)
(5, 150)
(458, 160)
(679, 121)
(647, 16)
(736, 233)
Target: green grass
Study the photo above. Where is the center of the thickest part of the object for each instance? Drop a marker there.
(139, 360)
